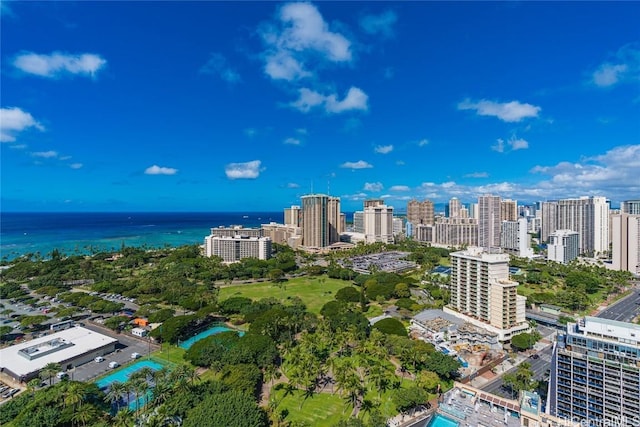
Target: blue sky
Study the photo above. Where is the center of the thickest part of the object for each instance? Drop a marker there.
(241, 106)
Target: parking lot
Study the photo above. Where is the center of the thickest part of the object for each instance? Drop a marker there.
(125, 347)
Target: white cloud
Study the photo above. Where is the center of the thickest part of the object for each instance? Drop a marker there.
(292, 141)
(360, 164)
(383, 149)
(76, 165)
(301, 34)
(477, 175)
(302, 131)
(250, 132)
(399, 188)
(379, 24)
(58, 64)
(160, 170)
(624, 66)
(373, 186)
(609, 74)
(518, 144)
(217, 65)
(293, 185)
(355, 99)
(499, 146)
(45, 154)
(247, 170)
(400, 162)
(423, 142)
(613, 174)
(13, 121)
(513, 111)
(514, 143)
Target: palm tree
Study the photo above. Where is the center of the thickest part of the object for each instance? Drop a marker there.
(84, 414)
(74, 394)
(124, 418)
(114, 395)
(49, 370)
(33, 385)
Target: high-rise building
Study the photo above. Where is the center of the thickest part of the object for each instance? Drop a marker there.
(378, 224)
(625, 242)
(549, 219)
(483, 294)
(456, 232)
(563, 246)
(398, 226)
(631, 207)
(489, 224)
(236, 230)
(589, 216)
(233, 249)
(370, 203)
(454, 207)
(508, 210)
(293, 216)
(283, 234)
(420, 212)
(320, 220)
(474, 212)
(358, 222)
(595, 373)
(515, 238)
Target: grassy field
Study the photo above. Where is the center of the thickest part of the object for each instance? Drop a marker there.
(313, 291)
(321, 410)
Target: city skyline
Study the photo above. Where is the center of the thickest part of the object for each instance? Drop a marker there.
(216, 106)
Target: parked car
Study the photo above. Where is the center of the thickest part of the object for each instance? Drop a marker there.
(135, 355)
(113, 365)
(99, 359)
(61, 375)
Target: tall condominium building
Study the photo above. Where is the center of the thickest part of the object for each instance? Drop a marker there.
(423, 233)
(370, 203)
(420, 212)
(515, 238)
(508, 210)
(320, 220)
(563, 246)
(378, 223)
(589, 216)
(489, 223)
(398, 226)
(625, 242)
(483, 294)
(358, 222)
(233, 249)
(474, 211)
(548, 218)
(456, 232)
(236, 230)
(454, 207)
(595, 373)
(631, 207)
(293, 216)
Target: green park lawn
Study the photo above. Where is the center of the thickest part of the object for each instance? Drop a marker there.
(323, 409)
(313, 291)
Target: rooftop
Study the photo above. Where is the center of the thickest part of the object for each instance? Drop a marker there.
(54, 348)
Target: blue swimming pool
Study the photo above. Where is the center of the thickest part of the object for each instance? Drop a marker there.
(124, 374)
(211, 331)
(442, 421)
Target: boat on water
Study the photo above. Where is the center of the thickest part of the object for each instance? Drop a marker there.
(245, 216)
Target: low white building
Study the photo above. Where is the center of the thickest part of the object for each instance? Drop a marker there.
(69, 348)
(139, 332)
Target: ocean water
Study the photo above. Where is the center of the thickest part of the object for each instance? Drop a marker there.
(84, 233)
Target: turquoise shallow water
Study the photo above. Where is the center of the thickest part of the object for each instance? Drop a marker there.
(211, 331)
(124, 374)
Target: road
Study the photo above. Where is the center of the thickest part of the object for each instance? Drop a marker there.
(539, 367)
(625, 309)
